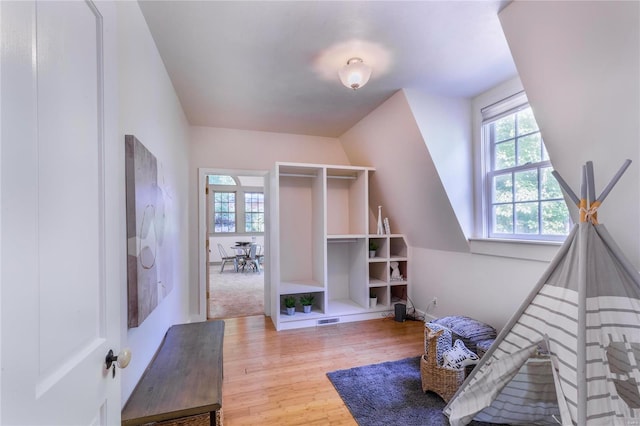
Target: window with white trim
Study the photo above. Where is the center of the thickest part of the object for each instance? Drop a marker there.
(522, 199)
(224, 211)
(254, 211)
(238, 204)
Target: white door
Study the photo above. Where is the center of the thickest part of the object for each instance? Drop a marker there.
(61, 192)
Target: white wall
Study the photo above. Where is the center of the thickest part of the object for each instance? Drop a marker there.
(150, 110)
(438, 119)
(246, 150)
(489, 288)
(579, 63)
(406, 182)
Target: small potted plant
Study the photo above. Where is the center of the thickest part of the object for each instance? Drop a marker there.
(373, 298)
(306, 300)
(373, 246)
(290, 304)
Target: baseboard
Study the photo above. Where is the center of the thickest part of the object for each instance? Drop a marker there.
(427, 317)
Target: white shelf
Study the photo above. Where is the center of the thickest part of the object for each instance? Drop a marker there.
(300, 287)
(344, 307)
(321, 219)
(398, 259)
(300, 316)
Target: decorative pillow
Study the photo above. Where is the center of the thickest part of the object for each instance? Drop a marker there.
(469, 330)
(444, 340)
(459, 356)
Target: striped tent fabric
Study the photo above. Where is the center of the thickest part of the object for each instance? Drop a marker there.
(533, 372)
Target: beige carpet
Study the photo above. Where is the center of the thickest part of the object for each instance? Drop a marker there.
(235, 294)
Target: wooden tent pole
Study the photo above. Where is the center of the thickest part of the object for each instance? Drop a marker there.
(581, 335)
(591, 183)
(566, 188)
(614, 180)
(583, 195)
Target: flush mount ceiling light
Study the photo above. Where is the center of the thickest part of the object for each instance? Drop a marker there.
(355, 74)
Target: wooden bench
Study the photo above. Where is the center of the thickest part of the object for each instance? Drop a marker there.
(184, 378)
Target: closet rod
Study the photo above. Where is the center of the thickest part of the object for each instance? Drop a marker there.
(296, 175)
(312, 176)
(341, 177)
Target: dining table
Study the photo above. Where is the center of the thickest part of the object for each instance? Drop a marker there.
(243, 252)
(242, 249)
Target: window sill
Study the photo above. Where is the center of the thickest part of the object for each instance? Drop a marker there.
(541, 251)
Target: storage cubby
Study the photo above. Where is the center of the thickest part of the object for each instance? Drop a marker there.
(398, 293)
(382, 252)
(304, 231)
(378, 273)
(397, 247)
(317, 309)
(320, 245)
(402, 267)
(346, 201)
(346, 271)
(382, 294)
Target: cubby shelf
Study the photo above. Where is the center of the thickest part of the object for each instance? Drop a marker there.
(320, 244)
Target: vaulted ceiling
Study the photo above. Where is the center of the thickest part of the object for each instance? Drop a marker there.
(272, 65)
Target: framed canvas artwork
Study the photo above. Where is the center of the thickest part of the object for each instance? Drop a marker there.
(148, 251)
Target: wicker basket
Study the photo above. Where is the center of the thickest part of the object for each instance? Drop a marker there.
(443, 381)
(197, 420)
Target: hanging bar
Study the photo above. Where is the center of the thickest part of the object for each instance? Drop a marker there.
(613, 181)
(341, 177)
(297, 175)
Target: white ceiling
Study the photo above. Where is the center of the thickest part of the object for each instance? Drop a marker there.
(272, 65)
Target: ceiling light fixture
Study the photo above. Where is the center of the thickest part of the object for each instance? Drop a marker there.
(355, 74)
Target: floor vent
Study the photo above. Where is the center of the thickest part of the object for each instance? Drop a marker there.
(328, 321)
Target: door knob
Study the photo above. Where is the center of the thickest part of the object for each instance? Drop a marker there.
(121, 360)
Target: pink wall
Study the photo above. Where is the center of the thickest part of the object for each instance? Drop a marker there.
(247, 150)
(243, 149)
(406, 182)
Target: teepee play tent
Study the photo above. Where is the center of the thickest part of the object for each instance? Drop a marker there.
(571, 354)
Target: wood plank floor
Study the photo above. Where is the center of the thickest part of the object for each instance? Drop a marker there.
(279, 378)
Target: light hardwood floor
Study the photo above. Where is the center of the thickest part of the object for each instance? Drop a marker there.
(279, 378)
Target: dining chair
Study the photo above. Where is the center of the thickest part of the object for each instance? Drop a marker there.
(252, 259)
(259, 254)
(226, 258)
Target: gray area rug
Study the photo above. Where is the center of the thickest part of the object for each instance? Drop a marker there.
(389, 393)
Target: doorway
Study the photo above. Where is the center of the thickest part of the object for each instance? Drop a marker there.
(233, 209)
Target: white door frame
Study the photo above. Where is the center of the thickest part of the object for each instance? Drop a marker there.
(203, 172)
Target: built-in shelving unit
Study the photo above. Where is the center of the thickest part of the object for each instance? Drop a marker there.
(389, 289)
(320, 245)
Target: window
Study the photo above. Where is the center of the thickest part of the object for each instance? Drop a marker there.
(254, 211)
(522, 198)
(238, 204)
(221, 180)
(224, 211)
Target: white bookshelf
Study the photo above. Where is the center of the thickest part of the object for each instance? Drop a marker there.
(320, 245)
